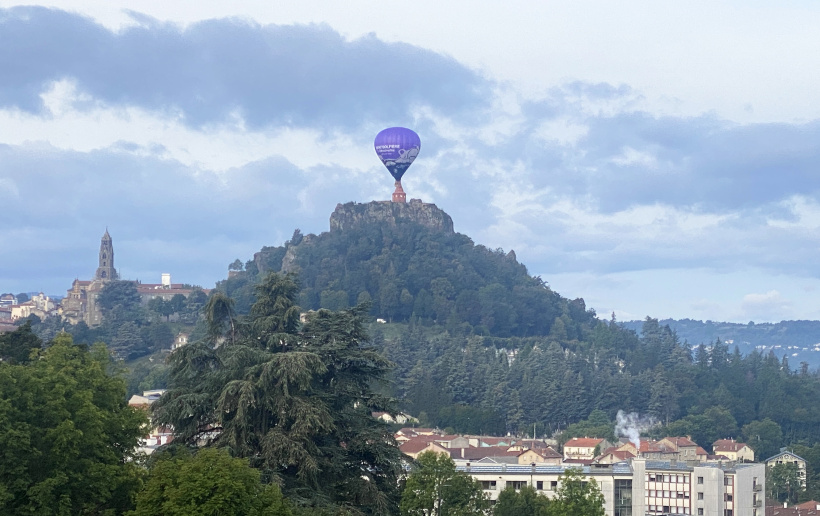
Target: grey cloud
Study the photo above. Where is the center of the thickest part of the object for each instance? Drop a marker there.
(163, 216)
(702, 162)
(296, 75)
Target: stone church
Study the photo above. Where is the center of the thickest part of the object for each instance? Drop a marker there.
(80, 303)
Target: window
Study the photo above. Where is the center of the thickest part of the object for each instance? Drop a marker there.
(700, 511)
(518, 484)
(700, 496)
(700, 480)
(539, 485)
(553, 485)
(488, 484)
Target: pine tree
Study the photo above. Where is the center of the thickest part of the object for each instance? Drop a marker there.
(294, 400)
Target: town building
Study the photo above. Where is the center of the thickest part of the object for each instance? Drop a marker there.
(583, 448)
(810, 508)
(80, 302)
(787, 457)
(157, 435)
(733, 450)
(643, 487)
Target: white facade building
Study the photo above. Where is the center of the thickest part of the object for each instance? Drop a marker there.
(645, 488)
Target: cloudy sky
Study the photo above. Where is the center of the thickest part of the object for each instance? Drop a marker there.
(654, 158)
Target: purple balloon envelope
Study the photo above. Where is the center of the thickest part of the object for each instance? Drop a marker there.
(397, 147)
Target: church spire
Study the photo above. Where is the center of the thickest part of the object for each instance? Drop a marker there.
(106, 270)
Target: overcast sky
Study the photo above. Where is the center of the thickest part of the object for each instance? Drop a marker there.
(654, 158)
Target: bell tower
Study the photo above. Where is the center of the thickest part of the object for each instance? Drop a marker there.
(106, 270)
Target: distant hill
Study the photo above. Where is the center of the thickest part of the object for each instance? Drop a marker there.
(410, 264)
(799, 341)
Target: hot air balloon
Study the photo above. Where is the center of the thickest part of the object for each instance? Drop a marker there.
(397, 147)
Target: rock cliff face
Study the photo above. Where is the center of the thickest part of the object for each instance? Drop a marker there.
(352, 215)
(386, 212)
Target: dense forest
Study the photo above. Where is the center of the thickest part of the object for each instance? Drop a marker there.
(800, 340)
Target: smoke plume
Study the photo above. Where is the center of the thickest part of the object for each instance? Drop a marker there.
(631, 425)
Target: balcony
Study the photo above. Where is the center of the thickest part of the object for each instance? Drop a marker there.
(757, 487)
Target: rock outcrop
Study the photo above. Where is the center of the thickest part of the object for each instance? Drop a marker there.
(352, 214)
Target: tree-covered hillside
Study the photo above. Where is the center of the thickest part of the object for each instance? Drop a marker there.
(481, 346)
(410, 272)
(799, 340)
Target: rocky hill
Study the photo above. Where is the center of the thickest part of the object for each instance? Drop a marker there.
(409, 263)
(352, 215)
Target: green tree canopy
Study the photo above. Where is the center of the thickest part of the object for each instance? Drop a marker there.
(783, 482)
(210, 483)
(435, 488)
(596, 425)
(67, 435)
(522, 502)
(16, 346)
(765, 438)
(577, 496)
(296, 401)
(119, 293)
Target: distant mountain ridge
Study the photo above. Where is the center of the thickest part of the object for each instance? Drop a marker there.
(799, 341)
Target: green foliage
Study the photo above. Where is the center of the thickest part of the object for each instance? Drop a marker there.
(764, 437)
(210, 483)
(118, 293)
(296, 401)
(67, 435)
(577, 496)
(716, 423)
(523, 502)
(435, 488)
(16, 346)
(596, 425)
(412, 273)
(783, 482)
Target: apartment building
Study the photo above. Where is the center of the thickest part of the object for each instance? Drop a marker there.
(645, 487)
